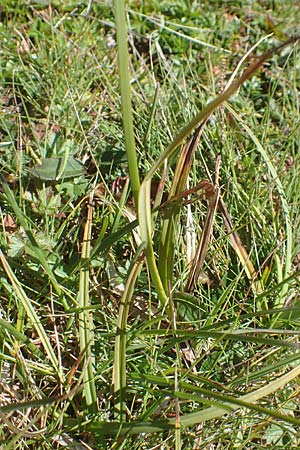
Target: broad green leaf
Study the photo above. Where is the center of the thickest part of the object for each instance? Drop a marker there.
(53, 169)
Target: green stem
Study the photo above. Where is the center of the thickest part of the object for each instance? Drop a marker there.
(123, 63)
(121, 339)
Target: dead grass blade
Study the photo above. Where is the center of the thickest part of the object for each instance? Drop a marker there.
(168, 234)
(240, 249)
(203, 243)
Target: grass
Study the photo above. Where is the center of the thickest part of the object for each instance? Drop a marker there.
(112, 334)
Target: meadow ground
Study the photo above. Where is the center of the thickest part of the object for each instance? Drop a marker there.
(150, 254)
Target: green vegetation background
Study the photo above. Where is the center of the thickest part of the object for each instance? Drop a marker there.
(61, 302)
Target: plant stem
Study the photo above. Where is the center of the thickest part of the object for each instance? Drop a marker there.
(123, 63)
